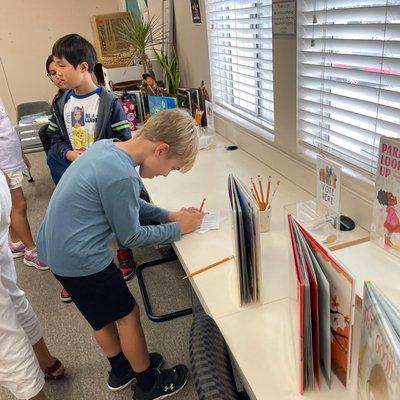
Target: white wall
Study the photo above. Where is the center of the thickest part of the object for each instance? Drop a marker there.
(192, 46)
(28, 30)
(190, 40)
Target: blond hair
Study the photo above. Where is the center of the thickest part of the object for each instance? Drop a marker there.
(177, 129)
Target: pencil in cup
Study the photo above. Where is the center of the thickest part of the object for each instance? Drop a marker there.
(255, 193)
(268, 189)
(273, 194)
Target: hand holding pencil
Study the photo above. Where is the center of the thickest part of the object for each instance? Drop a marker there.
(189, 219)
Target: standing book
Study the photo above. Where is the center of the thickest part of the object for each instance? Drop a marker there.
(325, 310)
(246, 233)
(379, 358)
(385, 228)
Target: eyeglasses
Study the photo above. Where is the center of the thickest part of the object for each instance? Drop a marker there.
(51, 74)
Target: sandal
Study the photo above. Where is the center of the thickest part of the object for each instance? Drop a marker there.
(54, 372)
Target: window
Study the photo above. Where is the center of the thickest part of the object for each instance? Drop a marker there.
(240, 47)
(349, 77)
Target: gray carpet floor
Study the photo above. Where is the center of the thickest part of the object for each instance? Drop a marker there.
(69, 336)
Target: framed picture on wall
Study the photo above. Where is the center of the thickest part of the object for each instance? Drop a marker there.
(195, 5)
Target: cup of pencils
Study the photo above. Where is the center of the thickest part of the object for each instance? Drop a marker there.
(264, 202)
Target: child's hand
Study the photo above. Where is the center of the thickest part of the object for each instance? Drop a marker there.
(72, 155)
(190, 209)
(189, 221)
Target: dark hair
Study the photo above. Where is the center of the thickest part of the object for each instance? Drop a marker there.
(48, 62)
(98, 73)
(76, 50)
(382, 197)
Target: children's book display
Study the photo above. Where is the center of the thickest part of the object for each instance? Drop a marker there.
(385, 228)
(328, 183)
(321, 215)
(136, 97)
(189, 99)
(194, 99)
(160, 103)
(325, 310)
(379, 358)
(246, 227)
(130, 112)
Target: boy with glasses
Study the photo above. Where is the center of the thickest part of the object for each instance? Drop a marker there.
(83, 114)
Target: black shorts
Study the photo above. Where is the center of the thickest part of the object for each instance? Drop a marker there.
(101, 298)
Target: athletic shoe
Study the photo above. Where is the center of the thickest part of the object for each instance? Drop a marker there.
(126, 263)
(114, 383)
(168, 382)
(31, 259)
(17, 249)
(64, 296)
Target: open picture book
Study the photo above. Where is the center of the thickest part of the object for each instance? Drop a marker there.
(246, 233)
(379, 358)
(324, 313)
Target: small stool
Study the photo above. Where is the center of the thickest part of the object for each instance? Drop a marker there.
(145, 296)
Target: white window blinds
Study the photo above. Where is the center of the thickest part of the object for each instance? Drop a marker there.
(240, 47)
(349, 77)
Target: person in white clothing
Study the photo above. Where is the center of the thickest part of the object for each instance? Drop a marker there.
(13, 162)
(24, 357)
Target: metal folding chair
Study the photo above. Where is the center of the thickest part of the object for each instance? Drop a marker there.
(29, 134)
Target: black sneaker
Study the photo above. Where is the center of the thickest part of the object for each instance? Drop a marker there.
(168, 382)
(114, 383)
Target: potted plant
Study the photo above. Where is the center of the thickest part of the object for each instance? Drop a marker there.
(170, 66)
(142, 34)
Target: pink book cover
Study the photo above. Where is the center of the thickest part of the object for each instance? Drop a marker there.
(385, 227)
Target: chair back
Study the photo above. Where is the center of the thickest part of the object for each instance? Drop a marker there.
(33, 107)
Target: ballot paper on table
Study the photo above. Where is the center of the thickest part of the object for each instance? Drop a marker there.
(211, 220)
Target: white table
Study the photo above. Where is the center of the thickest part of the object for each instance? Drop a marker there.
(259, 336)
(368, 261)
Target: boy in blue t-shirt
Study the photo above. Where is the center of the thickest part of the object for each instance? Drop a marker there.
(82, 115)
(97, 199)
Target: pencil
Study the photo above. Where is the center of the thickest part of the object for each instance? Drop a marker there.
(260, 206)
(202, 204)
(261, 191)
(268, 189)
(255, 191)
(254, 195)
(208, 267)
(273, 193)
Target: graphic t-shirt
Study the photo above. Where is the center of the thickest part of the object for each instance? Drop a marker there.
(80, 116)
(10, 148)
